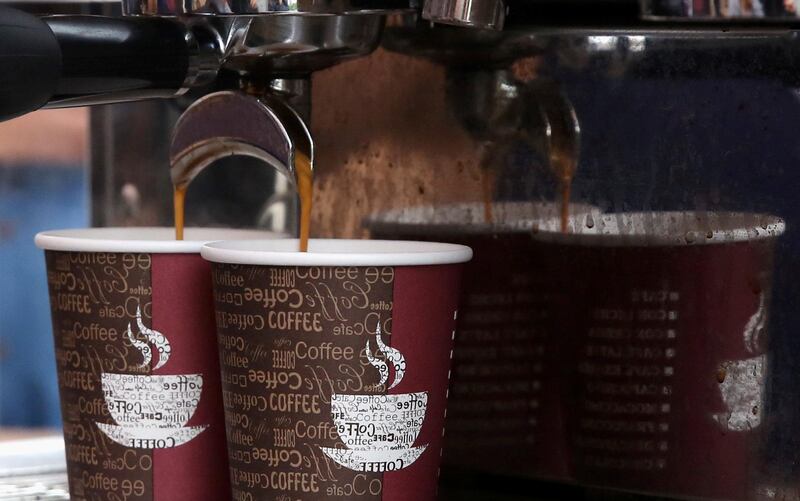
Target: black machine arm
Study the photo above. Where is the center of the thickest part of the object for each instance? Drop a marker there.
(77, 60)
(30, 63)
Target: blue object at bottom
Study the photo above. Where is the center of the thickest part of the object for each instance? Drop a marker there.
(32, 198)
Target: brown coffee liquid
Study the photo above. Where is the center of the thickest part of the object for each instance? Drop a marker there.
(563, 165)
(305, 183)
(179, 205)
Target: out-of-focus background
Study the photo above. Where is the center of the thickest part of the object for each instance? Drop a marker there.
(43, 185)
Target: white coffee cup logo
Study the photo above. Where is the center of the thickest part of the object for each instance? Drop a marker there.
(742, 381)
(379, 431)
(151, 411)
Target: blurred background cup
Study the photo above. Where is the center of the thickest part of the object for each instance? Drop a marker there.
(335, 365)
(665, 341)
(137, 362)
(505, 412)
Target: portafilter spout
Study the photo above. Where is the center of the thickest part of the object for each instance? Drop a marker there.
(562, 132)
(231, 123)
(501, 107)
(235, 123)
(485, 14)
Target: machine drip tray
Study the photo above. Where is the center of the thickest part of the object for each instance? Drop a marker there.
(33, 469)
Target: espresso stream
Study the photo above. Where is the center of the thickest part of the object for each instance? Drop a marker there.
(563, 164)
(305, 183)
(304, 179)
(179, 205)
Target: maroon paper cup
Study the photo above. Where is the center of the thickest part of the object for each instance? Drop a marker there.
(138, 368)
(335, 365)
(665, 339)
(505, 410)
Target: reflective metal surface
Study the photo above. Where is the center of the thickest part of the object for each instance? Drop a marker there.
(487, 14)
(205, 49)
(458, 46)
(270, 47)
(258, 7)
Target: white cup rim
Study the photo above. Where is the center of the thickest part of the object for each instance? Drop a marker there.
(468, 218)
(335, 252)
(151, 240)
(670, 228)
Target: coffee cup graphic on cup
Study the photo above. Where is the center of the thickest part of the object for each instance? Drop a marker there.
(379, 431)
(151, 411)
(741, 382)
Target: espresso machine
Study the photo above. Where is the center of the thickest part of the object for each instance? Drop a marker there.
(655, 104)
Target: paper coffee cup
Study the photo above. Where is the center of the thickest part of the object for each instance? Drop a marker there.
(137, 361)
(335, 365)
(665, 338)
(505, 408)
